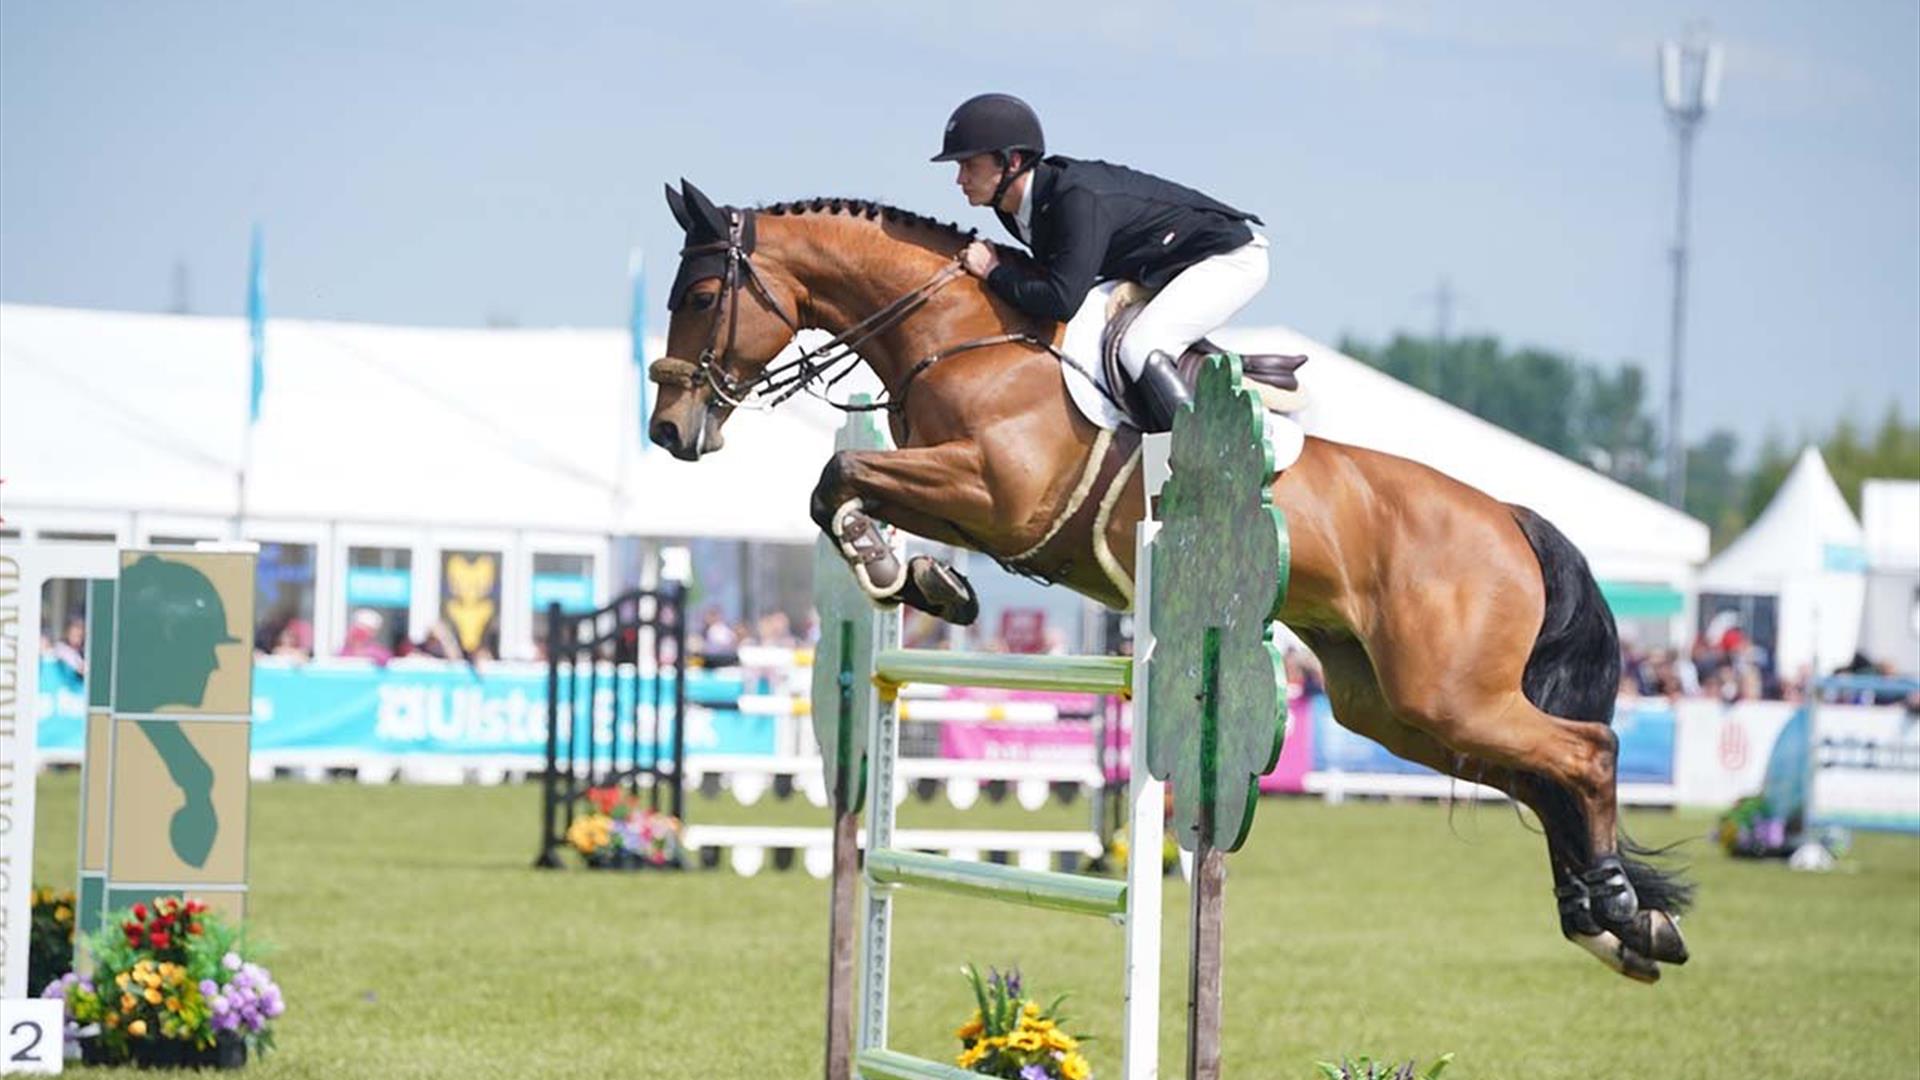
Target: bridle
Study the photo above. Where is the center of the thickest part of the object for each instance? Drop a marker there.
(827, 363)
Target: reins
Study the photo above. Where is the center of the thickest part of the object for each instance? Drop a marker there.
(825, 364)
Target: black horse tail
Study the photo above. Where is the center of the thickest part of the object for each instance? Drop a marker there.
(1574, 673)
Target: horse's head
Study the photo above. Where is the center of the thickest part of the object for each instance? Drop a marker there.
(730, 318)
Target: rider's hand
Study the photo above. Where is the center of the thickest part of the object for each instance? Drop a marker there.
(979, 259)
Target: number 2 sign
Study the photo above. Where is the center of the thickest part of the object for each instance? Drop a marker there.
(31, 1037)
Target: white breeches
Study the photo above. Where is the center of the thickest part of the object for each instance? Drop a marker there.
(1198, 301)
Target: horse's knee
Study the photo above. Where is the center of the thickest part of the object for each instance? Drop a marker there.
(829, 493)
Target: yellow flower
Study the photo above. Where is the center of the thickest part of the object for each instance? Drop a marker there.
(63, 913)
(1060, 1040)
(126, 1002)
(137, 1029)
(1075, 1067)
(971, 1055)
(120, 980)
(971, 1028)
(152, 996)
(1024, 1040)
(173, 1004)
(113, 1019)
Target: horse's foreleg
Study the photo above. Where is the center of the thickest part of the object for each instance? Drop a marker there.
(936, 492)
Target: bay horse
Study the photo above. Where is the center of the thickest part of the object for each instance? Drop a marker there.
(1459, 632)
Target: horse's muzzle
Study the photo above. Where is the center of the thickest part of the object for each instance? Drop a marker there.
(700, 435)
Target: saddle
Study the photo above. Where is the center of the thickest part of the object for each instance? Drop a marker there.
(1273, 377)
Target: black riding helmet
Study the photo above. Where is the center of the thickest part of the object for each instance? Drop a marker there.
(992, 124)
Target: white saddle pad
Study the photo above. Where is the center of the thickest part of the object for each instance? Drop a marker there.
(1087, 380)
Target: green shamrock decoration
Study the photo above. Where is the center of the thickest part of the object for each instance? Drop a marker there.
(1216, 684)
(842, 660)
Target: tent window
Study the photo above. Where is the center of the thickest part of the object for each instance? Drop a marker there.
(379, 589)
(566, 580)
(283, 599)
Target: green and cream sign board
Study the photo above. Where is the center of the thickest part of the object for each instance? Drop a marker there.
(176, 746)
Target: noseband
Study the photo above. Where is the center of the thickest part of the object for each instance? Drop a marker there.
(827, 363)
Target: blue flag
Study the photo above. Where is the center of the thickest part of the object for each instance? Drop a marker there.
(257, 323)
(637, 329)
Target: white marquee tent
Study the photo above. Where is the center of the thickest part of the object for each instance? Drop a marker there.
(1806, 549)
(1890, 516)
(133, 425)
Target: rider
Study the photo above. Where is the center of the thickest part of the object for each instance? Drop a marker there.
(1087, 222)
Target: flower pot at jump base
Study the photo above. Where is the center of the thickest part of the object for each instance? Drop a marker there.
(229, 1051)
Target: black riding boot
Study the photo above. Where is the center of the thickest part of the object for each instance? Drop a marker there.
(1161, 389)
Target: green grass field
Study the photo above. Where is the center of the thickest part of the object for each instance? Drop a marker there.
(413, 940)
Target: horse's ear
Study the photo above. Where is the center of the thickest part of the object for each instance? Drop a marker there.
(678, 205)
(705, 213)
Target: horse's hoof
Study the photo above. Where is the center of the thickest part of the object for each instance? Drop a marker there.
(1610, 951)
(1638, 968)
(941, 591)
(1656, 934)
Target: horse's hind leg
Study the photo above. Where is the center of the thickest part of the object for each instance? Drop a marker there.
(1360, 705)
(1565, 769)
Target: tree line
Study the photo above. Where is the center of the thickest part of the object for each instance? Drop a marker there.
(1601, 418)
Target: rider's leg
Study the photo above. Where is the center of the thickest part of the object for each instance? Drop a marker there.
(1198, 301)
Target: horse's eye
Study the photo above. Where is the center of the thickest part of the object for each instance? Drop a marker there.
(704, 300)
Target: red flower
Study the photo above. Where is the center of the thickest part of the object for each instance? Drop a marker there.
(195, 928)
(133, 937)
(195, 907)
(140, 912)
(160, 939)
(603, 798)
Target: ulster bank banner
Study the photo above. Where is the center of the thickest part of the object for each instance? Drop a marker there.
(436, 711)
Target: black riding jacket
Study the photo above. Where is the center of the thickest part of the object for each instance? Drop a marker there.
(1094, 222)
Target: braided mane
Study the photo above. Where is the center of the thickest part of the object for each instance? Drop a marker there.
(873, 211)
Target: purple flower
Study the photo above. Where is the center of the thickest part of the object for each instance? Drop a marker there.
(231, 961)
(1034, 1072)
(209, 988)
(220, 1006)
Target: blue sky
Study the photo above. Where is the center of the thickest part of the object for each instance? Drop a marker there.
(439, 163)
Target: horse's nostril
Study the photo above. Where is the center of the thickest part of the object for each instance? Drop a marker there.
(665, 434)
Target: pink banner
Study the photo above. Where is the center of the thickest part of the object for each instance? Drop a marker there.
(1070, 741)
(971, 741)
(1296, 754)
